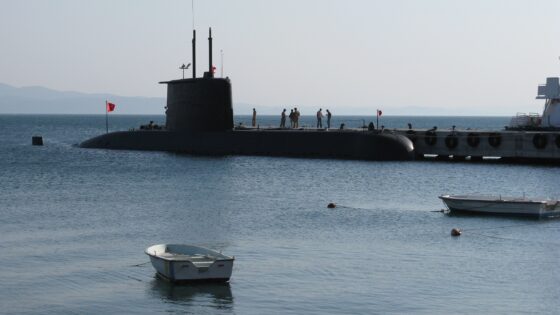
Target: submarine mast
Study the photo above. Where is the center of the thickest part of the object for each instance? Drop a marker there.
(194, 54)
(210, 73)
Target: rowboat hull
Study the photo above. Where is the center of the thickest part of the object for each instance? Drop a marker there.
(498, 205)
(204, 266)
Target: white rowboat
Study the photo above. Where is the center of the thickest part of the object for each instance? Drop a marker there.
(502, 205)
(187, 263)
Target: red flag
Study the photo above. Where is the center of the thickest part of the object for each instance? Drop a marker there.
(379, 112)
(110, 107)
(213, 69)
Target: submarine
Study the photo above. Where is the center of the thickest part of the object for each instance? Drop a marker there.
(199, 120)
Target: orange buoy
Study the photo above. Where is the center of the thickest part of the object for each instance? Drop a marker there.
(331, 205)
(456, 232)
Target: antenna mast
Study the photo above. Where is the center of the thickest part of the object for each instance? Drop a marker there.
(194, 54)
(210, 67)
(193, 43)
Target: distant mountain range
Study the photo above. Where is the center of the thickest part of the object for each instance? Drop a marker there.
(41, 100)
(36, 99)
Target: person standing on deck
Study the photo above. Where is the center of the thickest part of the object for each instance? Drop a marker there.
(291, 118)
(254, 120)
(283, 119)
(296, 118)
(320, 118)
(328, 119)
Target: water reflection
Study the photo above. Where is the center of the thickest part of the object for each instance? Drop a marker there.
(215, 295)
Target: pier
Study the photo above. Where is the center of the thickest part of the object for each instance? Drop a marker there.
(476, 145)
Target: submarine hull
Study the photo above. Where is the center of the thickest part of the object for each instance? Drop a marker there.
(295, 143)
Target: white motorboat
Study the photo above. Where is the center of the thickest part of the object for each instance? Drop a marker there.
(502, 205)
(187, 263)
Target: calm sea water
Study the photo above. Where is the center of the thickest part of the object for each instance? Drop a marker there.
(74, 224)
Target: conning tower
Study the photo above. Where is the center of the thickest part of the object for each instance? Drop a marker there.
(199, 104)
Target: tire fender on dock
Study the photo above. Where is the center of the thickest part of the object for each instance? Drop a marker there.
(473, 140)
(451, 141)
(495, 139)
(430, 137)
(540, 141)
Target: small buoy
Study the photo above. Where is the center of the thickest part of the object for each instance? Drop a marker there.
(455, 232)
(37, 140)
(331, 205)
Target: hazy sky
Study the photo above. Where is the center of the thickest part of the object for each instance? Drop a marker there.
(469, 57)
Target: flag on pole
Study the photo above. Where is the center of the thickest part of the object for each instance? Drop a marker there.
(110, 107)
(379, 112)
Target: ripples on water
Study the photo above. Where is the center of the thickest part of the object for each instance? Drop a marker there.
(75, 222)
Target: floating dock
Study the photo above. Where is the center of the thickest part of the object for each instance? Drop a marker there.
(528, 138)
(476, 145)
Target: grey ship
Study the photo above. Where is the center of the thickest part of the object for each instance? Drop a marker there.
(199, 120)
